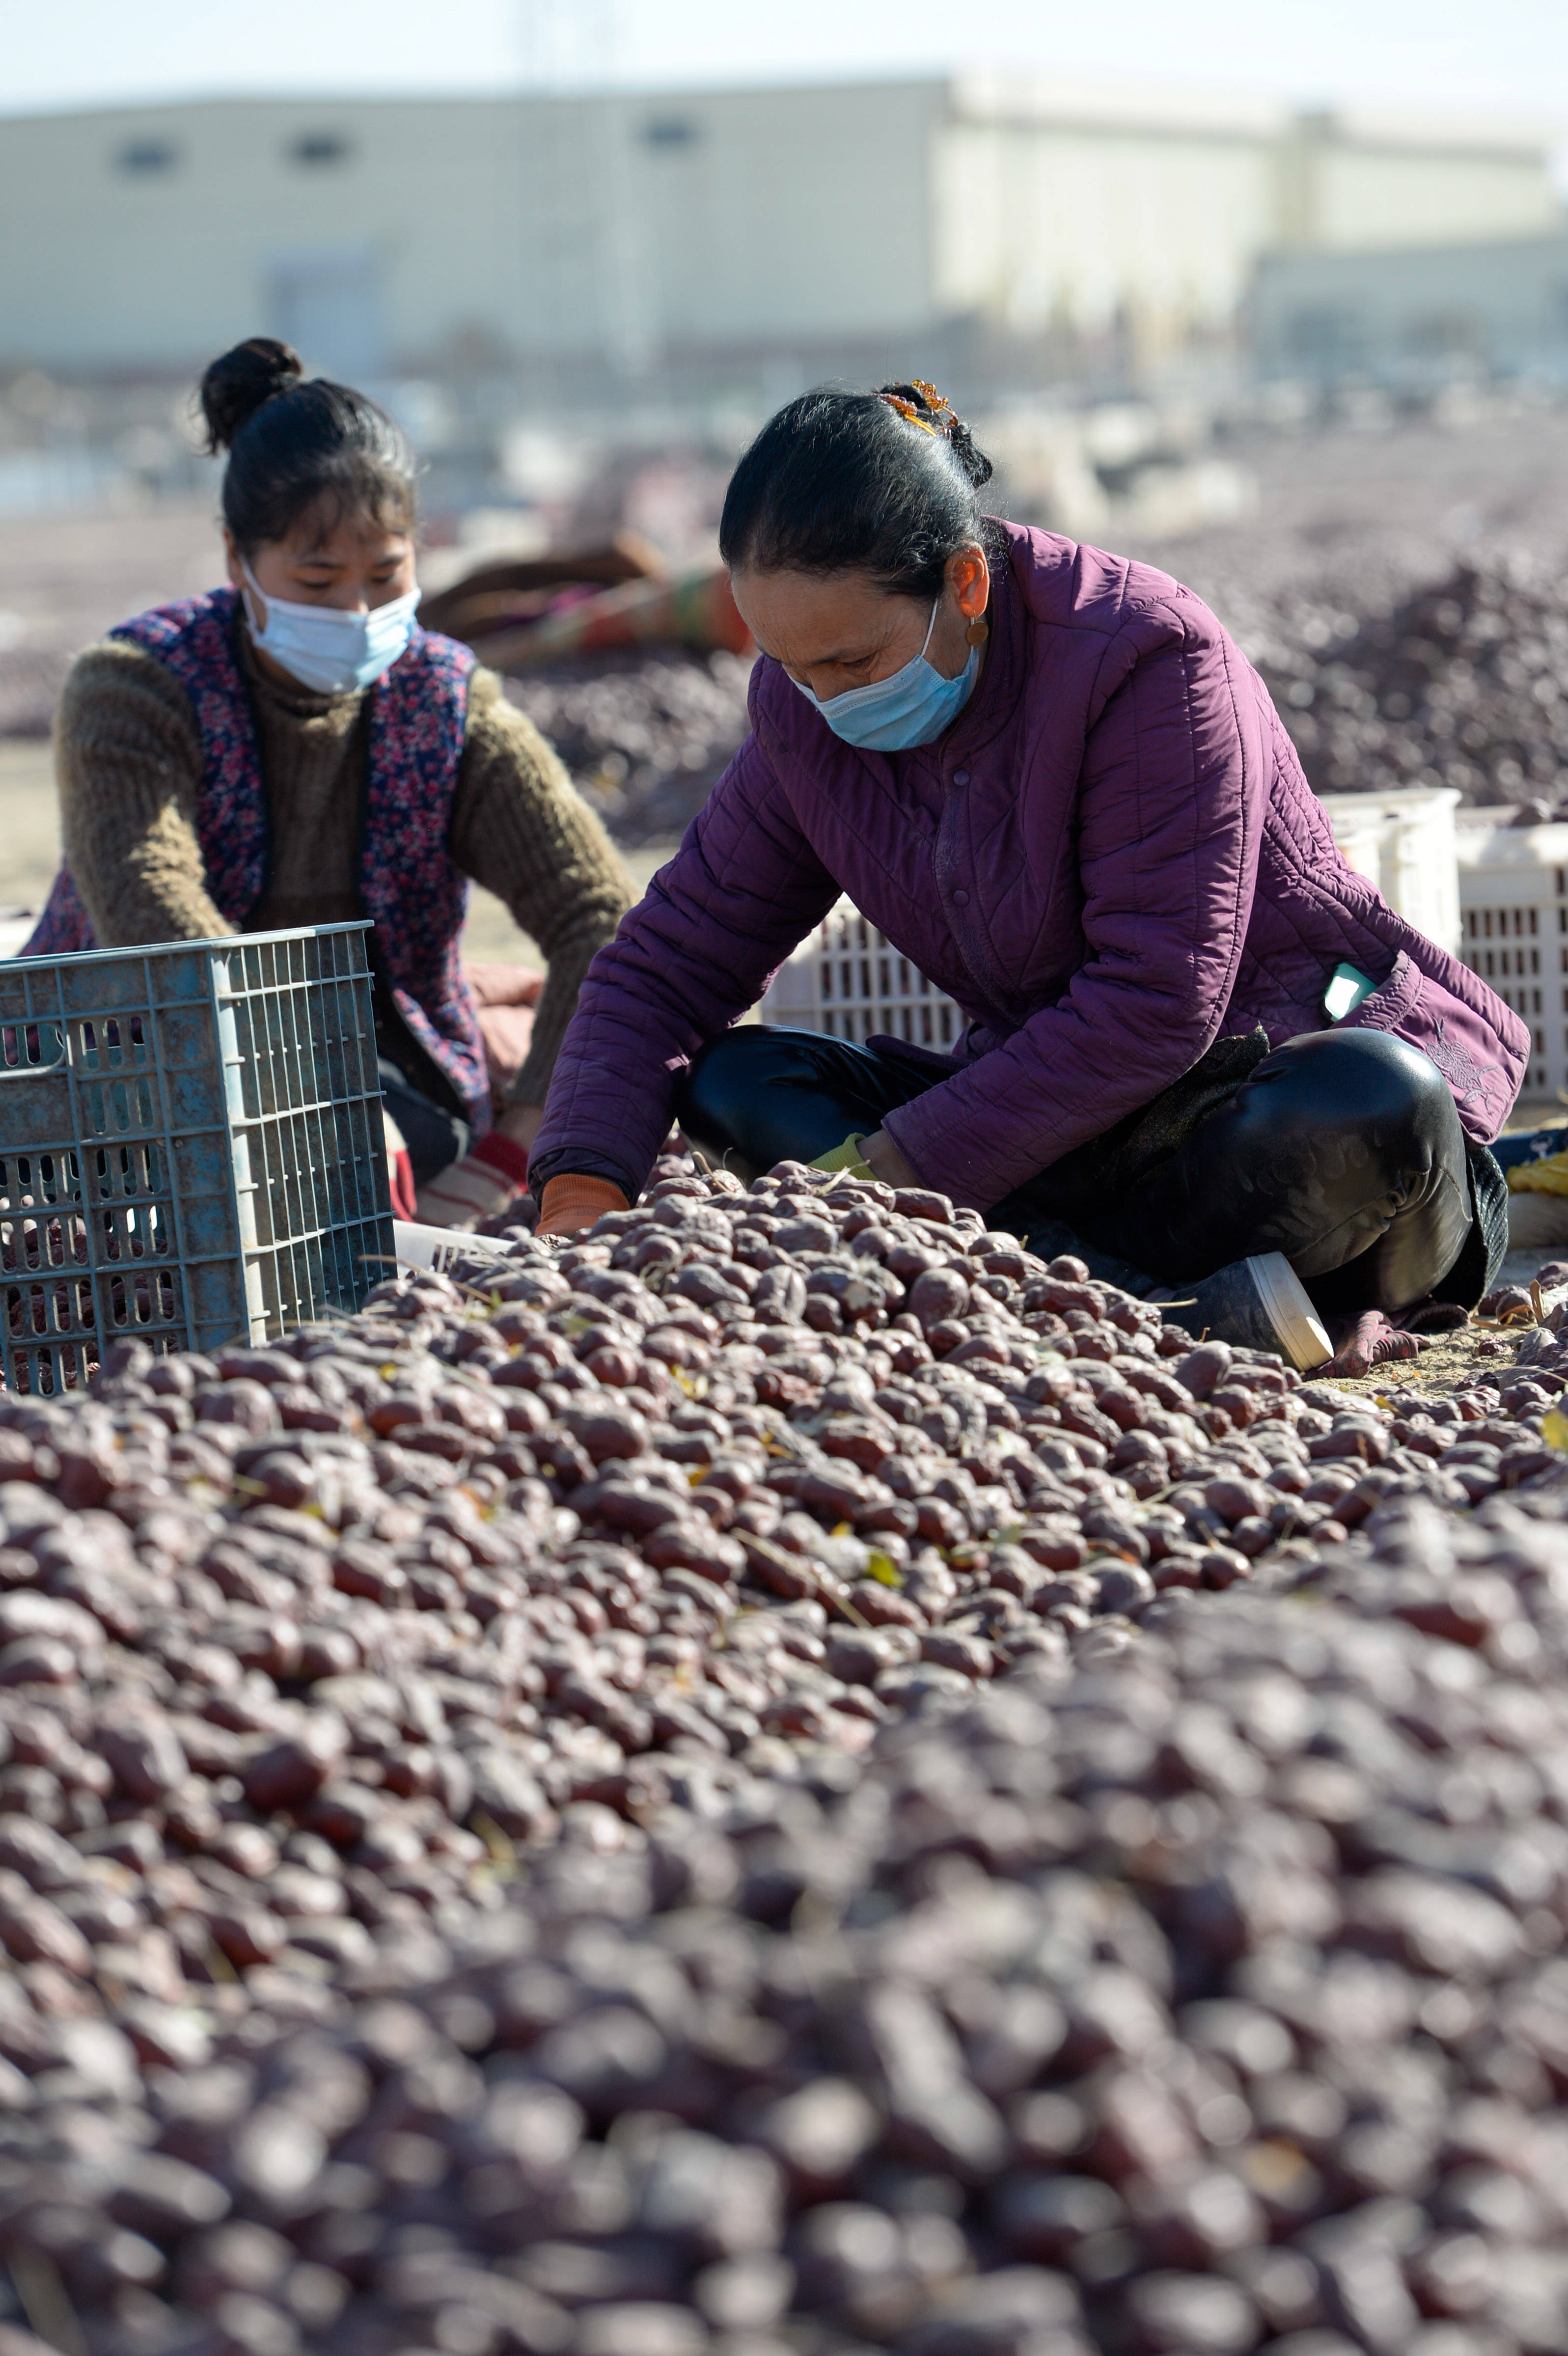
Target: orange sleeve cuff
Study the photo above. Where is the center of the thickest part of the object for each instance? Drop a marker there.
(569, 1204)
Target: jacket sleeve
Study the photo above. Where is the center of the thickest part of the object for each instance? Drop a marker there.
(128, 766)
(1169, 824)
(701, 947)
(520, 828)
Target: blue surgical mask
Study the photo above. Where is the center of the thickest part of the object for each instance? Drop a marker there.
(912, 706)
(329, 651)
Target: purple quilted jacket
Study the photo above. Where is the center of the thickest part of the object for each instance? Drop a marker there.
(1110, 859)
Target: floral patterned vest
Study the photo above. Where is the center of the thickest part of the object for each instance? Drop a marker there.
(407, 884)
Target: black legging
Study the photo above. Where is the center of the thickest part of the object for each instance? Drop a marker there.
(434, 1137)
(1342, 1150)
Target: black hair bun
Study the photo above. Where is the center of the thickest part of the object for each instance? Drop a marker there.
(239, 383)
(974, 462)
(939, 414)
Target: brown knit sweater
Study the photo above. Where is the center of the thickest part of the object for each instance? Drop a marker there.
(128, 762)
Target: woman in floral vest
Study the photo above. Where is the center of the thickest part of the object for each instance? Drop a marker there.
(293, 749)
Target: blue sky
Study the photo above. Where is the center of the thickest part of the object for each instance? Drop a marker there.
(1509, 56)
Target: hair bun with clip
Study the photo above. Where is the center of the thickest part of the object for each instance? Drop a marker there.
(921, 404)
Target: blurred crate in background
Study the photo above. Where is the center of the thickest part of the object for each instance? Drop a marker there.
(1514, 895)
(848, 979)
(191, 1147)
(1405, 843)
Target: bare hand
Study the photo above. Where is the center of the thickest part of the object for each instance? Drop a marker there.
(888, 1163)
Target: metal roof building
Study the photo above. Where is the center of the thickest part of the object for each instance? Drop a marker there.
(610, 231)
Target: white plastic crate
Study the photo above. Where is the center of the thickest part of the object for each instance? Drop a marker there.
(191, 1147)
(1513, 895)
(848, 979)
(1405, 843)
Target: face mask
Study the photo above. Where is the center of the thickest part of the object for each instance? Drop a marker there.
(912, 706)
(329, 651)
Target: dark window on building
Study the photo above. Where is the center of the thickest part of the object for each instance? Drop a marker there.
(145, 158)
(670, 131)
(319, 149)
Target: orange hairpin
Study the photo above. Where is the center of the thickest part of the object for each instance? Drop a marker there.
(907, 409)
(942, 426)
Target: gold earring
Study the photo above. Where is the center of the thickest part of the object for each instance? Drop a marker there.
(978, 631)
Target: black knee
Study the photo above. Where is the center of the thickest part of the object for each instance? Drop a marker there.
(758, 1095)
(1381, 1190)
(434, 1137)
(720, 1085)
(1366, 1086)
(755, 1096)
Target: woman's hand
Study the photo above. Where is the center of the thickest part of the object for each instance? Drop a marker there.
(887, 1161)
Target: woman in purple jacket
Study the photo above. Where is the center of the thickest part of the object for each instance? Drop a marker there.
(1203, 1050)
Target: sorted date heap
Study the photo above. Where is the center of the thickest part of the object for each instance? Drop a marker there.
(698, 1790)
(1196, 1994)
(301, 1643)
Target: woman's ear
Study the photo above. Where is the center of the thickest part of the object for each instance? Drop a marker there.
(969, 577)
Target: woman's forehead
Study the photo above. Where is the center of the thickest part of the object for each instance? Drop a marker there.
(809, 619)
(346, 540)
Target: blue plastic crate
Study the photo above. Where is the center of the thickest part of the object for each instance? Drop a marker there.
(191, 1147)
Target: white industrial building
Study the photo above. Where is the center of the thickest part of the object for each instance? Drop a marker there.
(616, 231)
(1413, 314)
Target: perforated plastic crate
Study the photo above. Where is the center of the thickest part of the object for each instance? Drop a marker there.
(191, 1147)
(846, 979)
(1513, 893)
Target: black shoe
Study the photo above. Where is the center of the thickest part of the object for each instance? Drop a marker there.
(1259, 1304)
